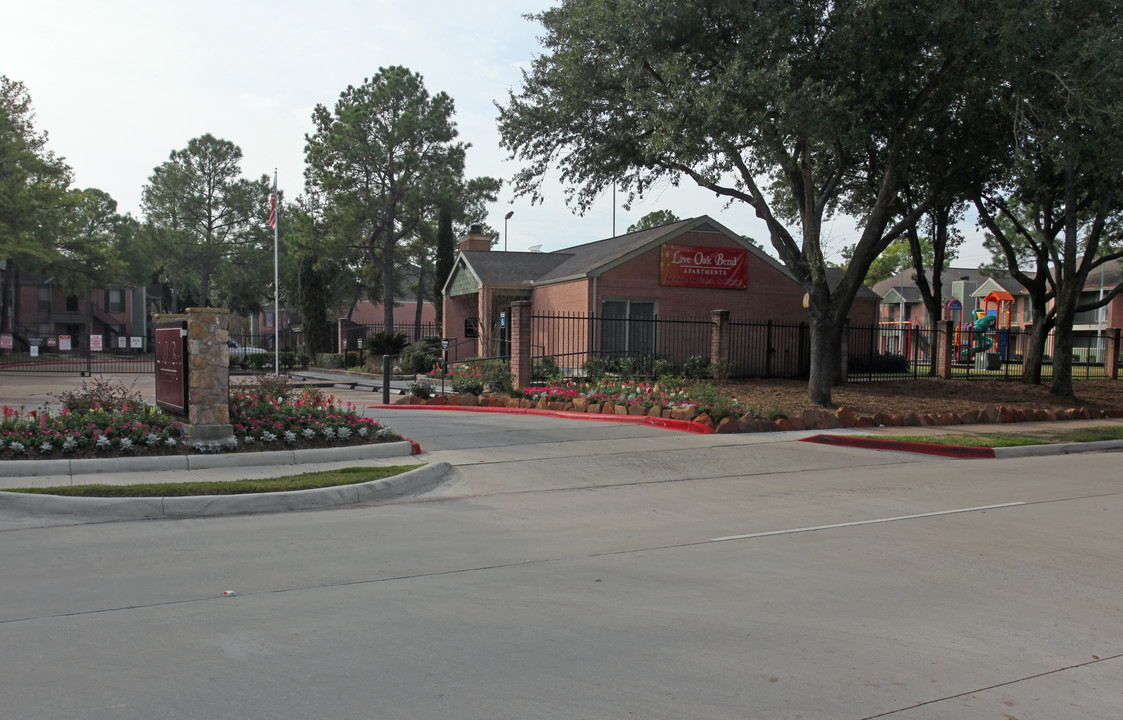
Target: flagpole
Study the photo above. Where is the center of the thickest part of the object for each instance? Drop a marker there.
(276, 283)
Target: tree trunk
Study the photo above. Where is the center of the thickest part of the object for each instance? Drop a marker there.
(1035, 353)
(826, 343)
(388, 279)
(420, 306)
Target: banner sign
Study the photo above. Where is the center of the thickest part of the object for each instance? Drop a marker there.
(96, 343)
(704, 267)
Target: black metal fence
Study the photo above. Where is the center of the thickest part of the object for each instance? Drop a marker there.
(570, 340)
(80, 362)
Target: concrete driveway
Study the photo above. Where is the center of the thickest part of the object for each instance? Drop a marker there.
(572, 569)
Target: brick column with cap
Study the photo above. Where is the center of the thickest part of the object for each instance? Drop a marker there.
(1111, 362)
(719, 339)
(521, 366)
(946, 332)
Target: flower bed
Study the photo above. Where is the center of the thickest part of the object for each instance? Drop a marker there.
(702, 403)
(263, 417)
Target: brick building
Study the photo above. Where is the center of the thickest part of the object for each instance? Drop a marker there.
(686, 269)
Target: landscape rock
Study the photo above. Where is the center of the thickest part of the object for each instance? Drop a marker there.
(784, 425)
(846, 417)
(971, 417)
(911, 420)
(636, 410)
(882, 420)
(748, 424)
(811, 419)
(608, 409)
(704, 420)
(828, 420)
(728, 425)
(581, 404)
(593, 408)
(864, 421)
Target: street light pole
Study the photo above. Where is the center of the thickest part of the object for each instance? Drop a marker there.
(505, 219)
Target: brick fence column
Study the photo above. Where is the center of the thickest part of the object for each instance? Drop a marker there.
(945, 330)
(1111, 362)
(719, 341)
(521, 366)
(208, 373)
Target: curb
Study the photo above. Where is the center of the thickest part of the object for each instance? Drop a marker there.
(665, 423)
(159, 463)
(952, 451)
(412, 482)
(964, 451)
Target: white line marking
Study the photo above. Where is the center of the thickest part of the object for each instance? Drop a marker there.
(864, 522)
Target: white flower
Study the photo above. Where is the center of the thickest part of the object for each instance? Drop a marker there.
(364, 431)
(308, 433)
(69, 444)
(385, 432)
(268, 437)
(16, 446)
(248, 440)
(231, 442)
(152, 438)
(170, 442)
(290, 436)
(126, 444)
(329, 433)
(46, 447)
(344, 433)
(102, 442)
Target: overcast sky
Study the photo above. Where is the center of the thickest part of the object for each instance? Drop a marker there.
(118, 85)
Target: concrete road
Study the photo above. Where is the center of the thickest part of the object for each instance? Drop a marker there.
(590, 570)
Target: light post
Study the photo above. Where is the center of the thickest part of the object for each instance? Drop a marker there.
(505, 219)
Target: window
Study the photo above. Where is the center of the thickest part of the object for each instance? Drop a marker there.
(44, 299)
(628, 326)
(1027, 310)
(115, 301)
(72, 303)
(267, 320)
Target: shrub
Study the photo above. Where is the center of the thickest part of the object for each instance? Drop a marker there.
(546, 369)
(495, 374)
(697, 367)
(421, 356)
(98, 393)
(351, 360)
(329, 360)
(663, 367)
(595, 368)
(387, 342)
(257, 361)
(466, 384)
(881, 363)
(635, 367)
(422, 389)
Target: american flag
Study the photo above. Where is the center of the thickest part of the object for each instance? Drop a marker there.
(273, 206)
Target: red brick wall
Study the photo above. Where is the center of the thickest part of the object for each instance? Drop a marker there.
(367, 312)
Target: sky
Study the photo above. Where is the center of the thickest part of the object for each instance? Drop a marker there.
(119, 85)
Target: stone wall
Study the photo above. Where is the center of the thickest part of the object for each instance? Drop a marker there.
(208, 373)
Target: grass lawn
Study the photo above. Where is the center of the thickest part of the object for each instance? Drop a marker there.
(994, 440)
(307, 481)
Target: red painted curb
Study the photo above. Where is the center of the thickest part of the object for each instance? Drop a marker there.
(666, 423)
(952, 451)
(416, 446)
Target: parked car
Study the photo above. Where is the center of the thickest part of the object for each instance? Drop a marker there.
(239, 352)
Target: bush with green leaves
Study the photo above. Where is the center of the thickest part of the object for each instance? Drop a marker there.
(331, 361)
(257, 361)
(635, 367)
(386, 342)
(468, 383)
(546, 369)
(495, 373)
(697, 367)
(594, 368)
(421, 388)
(420, 357)
(663, 367)
(98, 393)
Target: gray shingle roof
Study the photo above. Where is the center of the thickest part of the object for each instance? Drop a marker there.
(511, 268)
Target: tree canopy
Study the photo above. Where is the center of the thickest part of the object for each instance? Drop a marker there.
(386, 159)
(784, 106)
(206, 215)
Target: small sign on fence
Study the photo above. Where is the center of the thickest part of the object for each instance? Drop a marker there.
(121, 341)
(5, 341)
(136, 343)
(63, 342)
(96, 343)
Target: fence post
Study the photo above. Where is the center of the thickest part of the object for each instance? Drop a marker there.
(844, 351)
(946, 328)
(521, 366)
(719, 340)
(1111, 362)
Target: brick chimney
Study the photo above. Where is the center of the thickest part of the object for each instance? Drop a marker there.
(475, 239)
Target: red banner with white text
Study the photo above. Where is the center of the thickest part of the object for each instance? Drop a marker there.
(704, 267)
